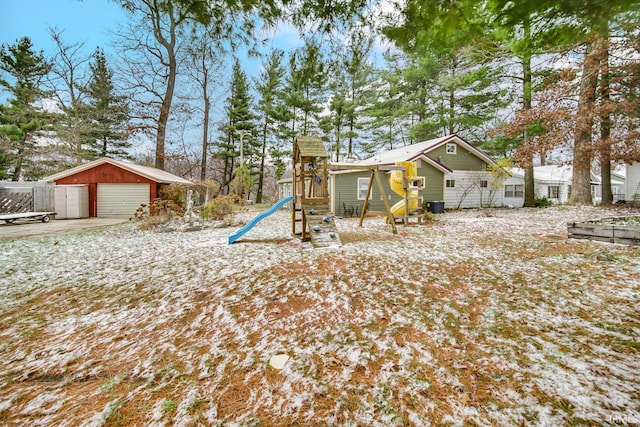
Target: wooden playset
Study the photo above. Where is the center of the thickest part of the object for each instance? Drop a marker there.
(311, 217)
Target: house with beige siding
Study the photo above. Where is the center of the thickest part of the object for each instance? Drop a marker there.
(454, 171)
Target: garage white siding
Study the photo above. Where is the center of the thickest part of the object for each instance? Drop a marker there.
(121, 200)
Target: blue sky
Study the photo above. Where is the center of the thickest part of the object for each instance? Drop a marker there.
(86, 21)
(92, 22)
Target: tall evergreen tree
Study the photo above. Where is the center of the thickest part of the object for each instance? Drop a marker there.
(305, 85)
(584, 24)
(107, 112)
(604, 145)
(237, 140)
(334, 123)
(274, 116)
(358, 73)
(350, 92)
(523, 29)
(454, 90)
(154, 63)
(24, 71)
(390, 111)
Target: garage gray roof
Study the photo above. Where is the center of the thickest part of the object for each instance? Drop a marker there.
(157, 175)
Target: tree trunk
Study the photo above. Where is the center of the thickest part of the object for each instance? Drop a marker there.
(605, 125)
(17, 171)
(105, 142)
(582, 146)
(452, 99)
(76, 130)
(205, 133)
(529, 178)
(164, 115)
(338, 143)
(165, 108)
(605, 175)
(264, 154)
(350, 148)
(529, 188)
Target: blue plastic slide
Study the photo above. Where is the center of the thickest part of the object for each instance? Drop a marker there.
(262, 215)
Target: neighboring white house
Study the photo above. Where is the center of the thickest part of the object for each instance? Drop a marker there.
(632, 180)
(554, 183)
(618, 180)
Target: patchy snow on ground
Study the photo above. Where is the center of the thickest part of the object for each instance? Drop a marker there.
(483, 317)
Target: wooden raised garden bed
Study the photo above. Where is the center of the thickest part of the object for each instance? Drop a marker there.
(623, 230)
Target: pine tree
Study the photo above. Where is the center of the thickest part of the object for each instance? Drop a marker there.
(21, 121)
(274, 116)
(450, 87)
(238, 133)
(583, 24)
(389, 113)
(305, 86)
(333, 124)
(358, 73)
(106, 111)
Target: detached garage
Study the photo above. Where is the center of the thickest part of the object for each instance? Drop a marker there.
(116, 188)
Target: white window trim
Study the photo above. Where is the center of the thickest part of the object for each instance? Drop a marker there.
(424, 180)
(452, 146)
(513, 190)
(446, 183)
(364, 189)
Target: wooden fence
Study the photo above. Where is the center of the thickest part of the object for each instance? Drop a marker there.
(26, 197)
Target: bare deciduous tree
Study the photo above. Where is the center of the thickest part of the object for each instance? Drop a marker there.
(68, 78)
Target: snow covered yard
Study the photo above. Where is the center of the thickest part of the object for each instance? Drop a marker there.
(485, 317)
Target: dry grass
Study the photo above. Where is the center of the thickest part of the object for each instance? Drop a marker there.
(479, 318)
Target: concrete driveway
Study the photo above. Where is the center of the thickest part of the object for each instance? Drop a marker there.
(21, 228)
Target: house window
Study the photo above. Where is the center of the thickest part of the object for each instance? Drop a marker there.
(519, 190)
(363, 186)
(451, 148)
(417, 183)
(450, 183)
(514, 191)
(553, 192)
(484, 184)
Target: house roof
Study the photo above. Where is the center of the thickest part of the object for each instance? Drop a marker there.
(347, 167)
(548, 173)
(420, 150)
(157, 175)
(552, 174)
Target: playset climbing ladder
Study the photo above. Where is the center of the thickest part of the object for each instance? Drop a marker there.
(311, 218)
